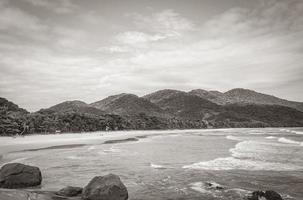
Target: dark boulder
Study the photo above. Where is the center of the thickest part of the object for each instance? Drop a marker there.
(108, 187)
(16, 175)
(267, 195)
(272, 195)
(69, 191)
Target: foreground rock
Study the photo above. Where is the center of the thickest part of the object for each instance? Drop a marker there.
(267, 195)
(107, 187)
(16, 175)
(70, 191)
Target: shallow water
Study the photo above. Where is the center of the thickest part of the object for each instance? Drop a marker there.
(170, 164)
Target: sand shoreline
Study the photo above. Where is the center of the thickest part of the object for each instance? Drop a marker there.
(41, 141)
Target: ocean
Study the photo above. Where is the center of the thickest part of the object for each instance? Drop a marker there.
(174, 164)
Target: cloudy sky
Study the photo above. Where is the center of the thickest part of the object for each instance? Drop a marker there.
(57, 50)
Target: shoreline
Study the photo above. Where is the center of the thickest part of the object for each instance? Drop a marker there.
(138, 130)
(41, 141)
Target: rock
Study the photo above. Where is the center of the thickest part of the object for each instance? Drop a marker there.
(16, 175)
(272, 195)
(70, 191)
(213, 185)
(267, 195)
(107, 187)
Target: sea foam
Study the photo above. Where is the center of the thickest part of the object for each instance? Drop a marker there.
(271, 137)
(289, 141)
(157, 166)
(231, 137)
(231, 163)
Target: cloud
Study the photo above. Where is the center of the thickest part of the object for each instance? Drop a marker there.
(133, 37)
(167, 22)
(159, 26)
(57, 6)
(47, 57)
(242, 47)
(14, 18)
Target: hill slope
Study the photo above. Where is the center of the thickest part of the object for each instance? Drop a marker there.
(128, 104)
(239, 95)
(244, 96)
(182, 104)
(213, 96)
(190, 106)
(11, 117)
(75, 106)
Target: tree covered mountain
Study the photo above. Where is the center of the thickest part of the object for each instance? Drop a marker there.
(244, 96)
(128, 104)
(163, 109)
(11, 117)
(77, 107)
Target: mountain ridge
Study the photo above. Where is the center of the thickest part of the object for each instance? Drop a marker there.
(163, 109)
(245, 96)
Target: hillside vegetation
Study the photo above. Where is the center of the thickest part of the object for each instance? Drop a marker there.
(164, 109)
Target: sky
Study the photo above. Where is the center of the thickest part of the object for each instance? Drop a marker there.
(57, 50)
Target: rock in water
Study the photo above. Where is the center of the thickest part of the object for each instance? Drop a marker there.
(70, 191)
(16, 175)
(267, 195)
(272, 195)
(107, 187)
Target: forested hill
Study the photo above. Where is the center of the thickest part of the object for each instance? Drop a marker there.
(164, 109)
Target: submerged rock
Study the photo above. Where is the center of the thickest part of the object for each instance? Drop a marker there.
(267, 195)
(70, 191)
(108, 187)
(16, 175)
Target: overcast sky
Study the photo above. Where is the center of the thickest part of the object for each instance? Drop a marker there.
(57, 50)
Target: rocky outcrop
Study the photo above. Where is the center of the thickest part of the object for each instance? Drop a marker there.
(70, 191)
(108, 187)
(265, 195)
(16, 175)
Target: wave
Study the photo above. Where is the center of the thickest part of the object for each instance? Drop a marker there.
(271, 137)
(199, 187)
(289, 141)
(298, 132)
(91, 148)
(157, 166)
(15, 160)
(111, 150)
(292, 131)
(74, 157)
(231, 163)
(121, 141)
(231, 137)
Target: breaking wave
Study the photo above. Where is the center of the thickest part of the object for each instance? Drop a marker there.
(112, 149)
(157, 166)
(231, 163)
(288, 141)
(292, 131)
(74, 157)
(254, 155)
(231, 137)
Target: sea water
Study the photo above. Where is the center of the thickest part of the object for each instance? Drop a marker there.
(170, 164)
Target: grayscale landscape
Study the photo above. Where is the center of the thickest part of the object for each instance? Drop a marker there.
(151, 100)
